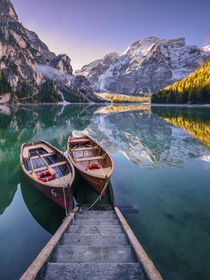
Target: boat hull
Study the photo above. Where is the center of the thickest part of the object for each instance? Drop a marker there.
(55, 194)
(51, 159)
(96, 183)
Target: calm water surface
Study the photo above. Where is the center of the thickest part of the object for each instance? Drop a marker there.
(162, 168)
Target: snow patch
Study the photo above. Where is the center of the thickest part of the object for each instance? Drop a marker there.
(206, 48)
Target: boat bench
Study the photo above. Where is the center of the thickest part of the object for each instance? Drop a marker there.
(26, 155)
(75, 141)
(44, 155)
(90, 158)
(51, 165)
(85, 149)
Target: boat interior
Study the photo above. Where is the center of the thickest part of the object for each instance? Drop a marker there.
(40, 158)
(84, 152)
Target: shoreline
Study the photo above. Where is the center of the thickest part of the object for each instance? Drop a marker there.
(109, 104)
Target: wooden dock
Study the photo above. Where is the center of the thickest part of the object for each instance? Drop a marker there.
(97, 244)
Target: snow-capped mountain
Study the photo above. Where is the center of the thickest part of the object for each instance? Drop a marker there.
(147, 65)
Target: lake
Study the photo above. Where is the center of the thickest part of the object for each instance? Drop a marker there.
(162, 169)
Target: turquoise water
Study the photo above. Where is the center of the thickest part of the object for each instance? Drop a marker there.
(162, 168)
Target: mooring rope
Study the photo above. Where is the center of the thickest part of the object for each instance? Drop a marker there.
(65, 186)
(99, 197)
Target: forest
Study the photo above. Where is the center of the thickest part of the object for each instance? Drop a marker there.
(194, 89)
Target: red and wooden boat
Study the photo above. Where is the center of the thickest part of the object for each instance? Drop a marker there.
(92, 162)
(49, 171)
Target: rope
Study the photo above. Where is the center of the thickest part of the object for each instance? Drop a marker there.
(99, 197)
(65, 186)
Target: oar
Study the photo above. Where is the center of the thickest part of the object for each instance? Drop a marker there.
(49, 168)
(32, 167)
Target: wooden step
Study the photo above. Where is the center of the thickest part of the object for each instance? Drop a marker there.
(97, 214)
(88, 271)
(94, 239)
(96, 222)
(94, 254)
(83, 229)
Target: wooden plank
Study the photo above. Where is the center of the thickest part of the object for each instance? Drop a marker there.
(100, 172)
(52, 165)
(89, 158)
(33, 147)
(75, 141)
(150, 269)
(48, 154)
(85, 149)
(46, 252)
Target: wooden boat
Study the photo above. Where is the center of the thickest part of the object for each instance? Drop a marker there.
(92, 161)
(49, 171)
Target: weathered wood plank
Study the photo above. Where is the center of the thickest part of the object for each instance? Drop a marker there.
(45, 155)
(83, 140)
(85, 149)
(89, 158)
(51, 165)
(44, 255)
(148, 265)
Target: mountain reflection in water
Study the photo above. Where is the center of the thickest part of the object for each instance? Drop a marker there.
(193, 121)
(147, 137)
(173, 202)
(144, 138)
(23, 124)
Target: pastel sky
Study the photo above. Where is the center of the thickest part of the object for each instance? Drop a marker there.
(88, 29)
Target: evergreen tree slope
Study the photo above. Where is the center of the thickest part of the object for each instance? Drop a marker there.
(193, 89)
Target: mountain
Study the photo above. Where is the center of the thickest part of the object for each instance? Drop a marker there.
(29, 72)
(147, 65)
(194, 89)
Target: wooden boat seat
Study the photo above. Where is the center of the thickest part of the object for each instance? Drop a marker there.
(52, 165)
(90, 158)
(85, 149)
(75, 141)
(26, 155)
(43, 155)
(100, 172)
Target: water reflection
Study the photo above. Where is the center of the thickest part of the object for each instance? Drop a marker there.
(145, 139)
(123, 108)
(28, 124)
(173, 202)
(4, 110)
(148, 137)
(194, 121)
(44, 211)
(48, 214)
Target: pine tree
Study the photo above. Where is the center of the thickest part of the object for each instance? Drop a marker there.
(195, 88)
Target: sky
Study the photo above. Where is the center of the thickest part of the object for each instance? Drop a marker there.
(88, 29)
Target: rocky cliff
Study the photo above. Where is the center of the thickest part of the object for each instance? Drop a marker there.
(29, 72)
(147, 65)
